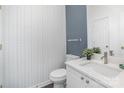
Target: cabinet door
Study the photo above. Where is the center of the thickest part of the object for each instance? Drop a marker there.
(89, 83)
(77, 80)
(73, 81)
(74, 78)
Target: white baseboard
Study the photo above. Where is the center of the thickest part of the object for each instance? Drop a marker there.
(42, 84)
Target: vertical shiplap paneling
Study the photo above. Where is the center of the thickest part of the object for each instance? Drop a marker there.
(34, 43)
(1, 52)
(4, 21)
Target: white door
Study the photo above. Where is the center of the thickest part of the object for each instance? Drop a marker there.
(101, 33)
(1, 62)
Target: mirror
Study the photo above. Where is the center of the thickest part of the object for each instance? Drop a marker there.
(106, 28)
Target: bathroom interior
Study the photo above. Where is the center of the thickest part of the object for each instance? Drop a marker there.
(61, 46)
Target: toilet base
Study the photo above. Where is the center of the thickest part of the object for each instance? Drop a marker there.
(59, 85)
(58, 77)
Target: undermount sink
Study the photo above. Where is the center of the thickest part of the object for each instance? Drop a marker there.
(102, 69)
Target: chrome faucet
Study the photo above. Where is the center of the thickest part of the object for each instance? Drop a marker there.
(105, 57)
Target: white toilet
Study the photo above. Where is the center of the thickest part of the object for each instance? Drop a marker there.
(58, 77)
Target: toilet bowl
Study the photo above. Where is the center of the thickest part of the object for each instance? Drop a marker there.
(58, 77)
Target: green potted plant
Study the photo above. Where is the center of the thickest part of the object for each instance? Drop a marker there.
(97, 50)
(88, 53)
(97, 53)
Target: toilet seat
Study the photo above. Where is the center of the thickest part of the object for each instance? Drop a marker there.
(58, 75)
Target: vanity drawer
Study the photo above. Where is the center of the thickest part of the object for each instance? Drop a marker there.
(73, 71)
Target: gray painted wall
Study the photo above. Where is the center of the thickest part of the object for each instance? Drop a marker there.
(76, 27)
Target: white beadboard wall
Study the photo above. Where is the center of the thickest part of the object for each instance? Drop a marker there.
(1, 52)
(34, 43)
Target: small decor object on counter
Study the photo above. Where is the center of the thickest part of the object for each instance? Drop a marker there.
(88, 53)
(121, 66)
(97, 50)
(97, 53)
(122, 47)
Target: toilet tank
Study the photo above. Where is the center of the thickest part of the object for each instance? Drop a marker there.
(70, 57)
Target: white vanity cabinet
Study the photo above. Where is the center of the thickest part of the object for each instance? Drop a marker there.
(78, 80)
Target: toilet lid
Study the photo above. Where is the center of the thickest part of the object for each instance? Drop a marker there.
(58, 73)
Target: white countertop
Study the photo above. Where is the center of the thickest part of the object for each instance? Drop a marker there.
(116, 82)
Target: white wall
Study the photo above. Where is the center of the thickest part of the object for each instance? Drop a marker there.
(1, 54)
(115, 23)
(34, 43)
